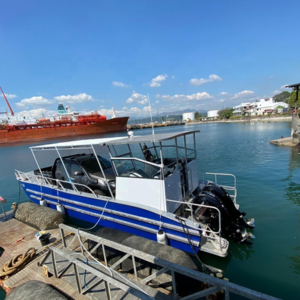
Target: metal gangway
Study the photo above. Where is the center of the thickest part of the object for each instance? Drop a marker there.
(98, 280)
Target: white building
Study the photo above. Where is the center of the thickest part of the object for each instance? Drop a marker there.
(188, 116)
(265, 106)
(240, 109)
(258, 108)
(212, 113)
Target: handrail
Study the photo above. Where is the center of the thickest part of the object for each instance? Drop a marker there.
(160, 166)
(226, 187)
(202, 205)
(138, 159)
(58, 181)
(163, 266)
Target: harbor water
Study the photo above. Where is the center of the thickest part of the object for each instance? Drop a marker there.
(268, 182)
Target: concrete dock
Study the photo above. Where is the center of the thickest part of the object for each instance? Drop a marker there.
(288, 142)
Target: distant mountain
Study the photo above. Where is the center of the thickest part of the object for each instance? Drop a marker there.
(282, 97)
(174, 115)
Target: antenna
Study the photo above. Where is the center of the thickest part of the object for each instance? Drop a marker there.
(151, 115)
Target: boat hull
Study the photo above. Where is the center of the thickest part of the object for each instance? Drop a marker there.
(114, 214)
(42, 132)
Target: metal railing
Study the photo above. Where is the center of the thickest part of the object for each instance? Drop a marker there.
(216, 235)
(137, 286)
(231, 189)
(54, 183)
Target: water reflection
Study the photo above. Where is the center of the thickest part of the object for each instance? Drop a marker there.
(296, 261)
(293, 178)
(241, 252)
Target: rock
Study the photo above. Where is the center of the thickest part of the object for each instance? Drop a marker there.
(35, 290)
(38, 216)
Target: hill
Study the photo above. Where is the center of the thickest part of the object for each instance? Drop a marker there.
(282, 97)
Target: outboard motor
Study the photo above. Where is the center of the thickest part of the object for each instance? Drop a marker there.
(231, 225)
(226, 200)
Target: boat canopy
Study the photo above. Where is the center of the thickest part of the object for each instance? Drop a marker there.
(114, 141)
(75, 144)
(153, 138)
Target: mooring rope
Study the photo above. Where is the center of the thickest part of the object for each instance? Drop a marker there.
(17, 263)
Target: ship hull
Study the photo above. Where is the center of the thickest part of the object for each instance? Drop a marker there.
(42, 132)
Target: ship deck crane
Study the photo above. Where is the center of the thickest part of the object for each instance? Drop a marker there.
(11, 111)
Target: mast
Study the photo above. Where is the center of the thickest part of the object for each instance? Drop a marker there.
(11, 111)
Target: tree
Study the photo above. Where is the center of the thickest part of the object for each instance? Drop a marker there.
(292, 99)
(225, 113)
(199, 115)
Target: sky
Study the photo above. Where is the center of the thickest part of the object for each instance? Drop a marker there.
(95, 55)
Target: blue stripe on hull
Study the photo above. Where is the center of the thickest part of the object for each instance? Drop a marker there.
(114, 207)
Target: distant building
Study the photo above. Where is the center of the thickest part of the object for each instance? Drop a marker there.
(258, 108)
(212, 114)
(240, 109)
(188, 116)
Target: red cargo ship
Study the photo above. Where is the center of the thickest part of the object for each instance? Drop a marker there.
(64, 125)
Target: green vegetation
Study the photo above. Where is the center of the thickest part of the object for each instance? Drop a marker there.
(282, 97)
(292, 99)
(199, 116)
(287, 97)
(225, 113)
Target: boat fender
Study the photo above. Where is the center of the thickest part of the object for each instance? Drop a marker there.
(60, 208)
(43, 202)
(161, 237)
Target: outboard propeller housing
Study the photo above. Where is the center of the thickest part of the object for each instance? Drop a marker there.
(232, 220)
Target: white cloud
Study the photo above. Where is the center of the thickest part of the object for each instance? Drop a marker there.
(185, 98)
(79, 98)
(242, 94)
(283, 87)
(137, 98)
(224, 93)
(9, 96)
(280, 90)
(36, 113)
(155, 82)
(276, 92)
(146, 108)
(212, 77)
(34, 101)
(119, 84)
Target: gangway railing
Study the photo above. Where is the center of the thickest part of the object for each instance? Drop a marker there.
(133, 286)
